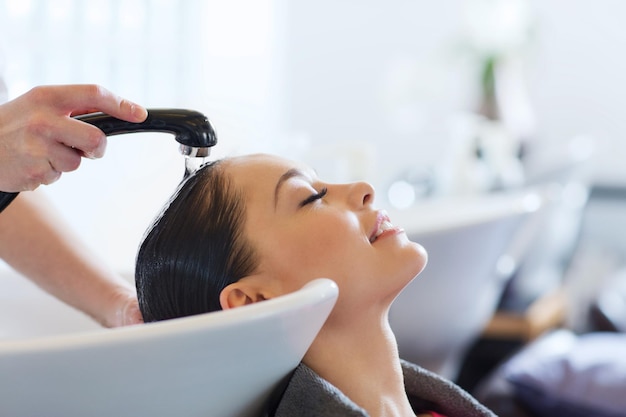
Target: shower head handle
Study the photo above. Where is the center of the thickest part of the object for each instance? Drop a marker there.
(190, 128)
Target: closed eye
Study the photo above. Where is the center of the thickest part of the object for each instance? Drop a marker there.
(314, 197)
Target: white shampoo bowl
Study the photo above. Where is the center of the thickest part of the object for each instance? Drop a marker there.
(219, 364)
(473, 244)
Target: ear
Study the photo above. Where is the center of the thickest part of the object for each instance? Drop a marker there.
(245, 291)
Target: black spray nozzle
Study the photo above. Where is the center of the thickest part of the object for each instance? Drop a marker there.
(190, 128)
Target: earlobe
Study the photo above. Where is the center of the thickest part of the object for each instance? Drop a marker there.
(239, 294)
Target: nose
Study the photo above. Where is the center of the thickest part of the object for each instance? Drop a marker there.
(360, 194)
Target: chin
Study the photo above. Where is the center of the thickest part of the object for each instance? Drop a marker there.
(409, 265)
(417, 255)
(421, 256)
(414, 267)
(420, 259)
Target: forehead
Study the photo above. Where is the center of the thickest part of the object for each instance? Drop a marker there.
(259, 173)
(261, 167)
(254, 162)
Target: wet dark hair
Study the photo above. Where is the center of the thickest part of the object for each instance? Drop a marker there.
(194, 249)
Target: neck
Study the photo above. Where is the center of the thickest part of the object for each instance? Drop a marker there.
(361, 359)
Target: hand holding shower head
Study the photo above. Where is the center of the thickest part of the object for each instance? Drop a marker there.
(190, 128)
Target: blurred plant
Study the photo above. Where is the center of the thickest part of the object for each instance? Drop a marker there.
(497, 34)
(489, 142)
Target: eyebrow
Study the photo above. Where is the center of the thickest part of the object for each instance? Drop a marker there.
(293, 172)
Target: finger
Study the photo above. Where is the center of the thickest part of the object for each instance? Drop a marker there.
(64, 159)
(80, 99)
(84, 111)
(44, 174)
(132, 315)
(51, 176)
(36, 174)
(86, 138)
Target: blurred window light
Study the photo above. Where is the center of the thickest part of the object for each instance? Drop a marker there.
(18, 8)
(238, 28)
(98, 13)
(134, 47)
(133, 14)
(60, 11)
(114, 43)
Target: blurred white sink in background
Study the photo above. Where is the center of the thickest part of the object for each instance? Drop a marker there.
(474, 244)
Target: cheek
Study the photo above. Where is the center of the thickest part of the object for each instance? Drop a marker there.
(319, 251)
(304, 251)
(333, 238)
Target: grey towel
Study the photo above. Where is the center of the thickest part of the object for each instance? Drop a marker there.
(309, 395)
(450, 399)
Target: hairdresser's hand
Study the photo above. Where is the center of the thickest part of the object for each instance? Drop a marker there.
(125, 311)
(39, 140)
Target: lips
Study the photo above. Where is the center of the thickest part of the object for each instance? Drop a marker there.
(383, 224)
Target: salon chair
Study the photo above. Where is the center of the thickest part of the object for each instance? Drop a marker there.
(561, 373)
(219, 364)
(474, 245)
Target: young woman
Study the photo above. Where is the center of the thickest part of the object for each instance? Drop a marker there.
(250, 228)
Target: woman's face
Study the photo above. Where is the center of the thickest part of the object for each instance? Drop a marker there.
(302, 228)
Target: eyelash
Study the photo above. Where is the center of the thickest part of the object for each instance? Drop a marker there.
(315, 197)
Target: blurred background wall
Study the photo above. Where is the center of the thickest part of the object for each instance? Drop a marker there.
(360, 89)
